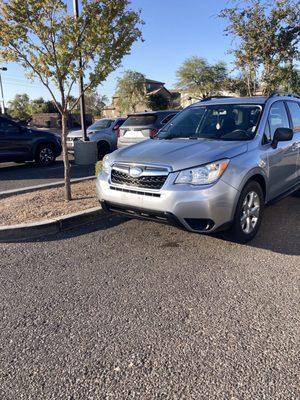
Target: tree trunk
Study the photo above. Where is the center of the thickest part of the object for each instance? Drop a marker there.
(64, 119)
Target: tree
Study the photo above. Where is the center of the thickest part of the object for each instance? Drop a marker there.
(48, 41)
(201, 79)
(237, 85)
(158, 102)
(95, 102)
(19, 108)
(41, 106)
(267, 38)
(131, 91)
(284, 78)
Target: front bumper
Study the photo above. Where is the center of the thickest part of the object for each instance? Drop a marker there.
(198, 209)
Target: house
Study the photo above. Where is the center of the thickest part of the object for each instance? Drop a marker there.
(151, 87)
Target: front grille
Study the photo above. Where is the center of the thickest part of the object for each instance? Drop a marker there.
(146, 182)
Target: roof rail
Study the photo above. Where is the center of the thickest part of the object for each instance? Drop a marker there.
(287, 94)
(216, 97)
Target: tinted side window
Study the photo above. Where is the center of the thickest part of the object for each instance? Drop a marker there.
(8, 126)
(278, 118)
(294, 109)
(167, 119)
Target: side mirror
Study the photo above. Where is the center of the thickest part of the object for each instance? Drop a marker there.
(282, 135)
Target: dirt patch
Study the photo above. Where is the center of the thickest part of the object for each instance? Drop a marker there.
(47, 204)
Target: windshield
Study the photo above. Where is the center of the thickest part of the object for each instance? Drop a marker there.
(101, 124)
(217, 122)
(140, 120)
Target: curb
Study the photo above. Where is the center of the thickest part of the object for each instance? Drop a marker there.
(43, 186)
(12, 233)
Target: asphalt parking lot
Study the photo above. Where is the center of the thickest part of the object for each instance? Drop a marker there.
(16, 176)
(128, 309)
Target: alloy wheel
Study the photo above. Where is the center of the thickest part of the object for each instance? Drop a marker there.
(250, 212)
(46, 155)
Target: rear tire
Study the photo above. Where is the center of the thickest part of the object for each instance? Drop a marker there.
(45, 155)
(248, 214)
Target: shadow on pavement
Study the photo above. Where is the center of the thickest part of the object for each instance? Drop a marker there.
(279, 232)
(107, 223)
(280, 228)
(31, 171)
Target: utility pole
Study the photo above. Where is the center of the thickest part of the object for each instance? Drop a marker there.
(2, 93)
(82, 102)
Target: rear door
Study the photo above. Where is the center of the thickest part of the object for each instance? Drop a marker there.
(294, 111)
(283, 159)
(14, 141)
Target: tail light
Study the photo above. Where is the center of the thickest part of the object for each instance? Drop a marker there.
(153, 132)
(116, 128)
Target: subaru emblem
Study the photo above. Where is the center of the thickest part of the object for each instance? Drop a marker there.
(135, 172)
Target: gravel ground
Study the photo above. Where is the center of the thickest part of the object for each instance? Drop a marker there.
(47, 204)
(127, 309)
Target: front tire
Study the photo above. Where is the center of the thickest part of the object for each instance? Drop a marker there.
(45, 155)
(248, 214)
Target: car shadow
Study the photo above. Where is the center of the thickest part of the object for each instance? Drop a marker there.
(31, 172)
(107, 223)
(279, 232)
(280, 228)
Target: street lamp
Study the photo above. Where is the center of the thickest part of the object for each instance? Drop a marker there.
(82, 102)
(2, 94)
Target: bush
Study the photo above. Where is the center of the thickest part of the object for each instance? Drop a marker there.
(98, 167)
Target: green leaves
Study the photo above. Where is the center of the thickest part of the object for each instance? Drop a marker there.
(46, 39)
(201, 79)
(131, 91)
(19, 108)
(158, 102)
(266, 36)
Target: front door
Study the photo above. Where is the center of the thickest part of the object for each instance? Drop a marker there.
(283, 159)
(14, 141)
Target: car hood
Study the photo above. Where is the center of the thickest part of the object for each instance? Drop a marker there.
(179, 153)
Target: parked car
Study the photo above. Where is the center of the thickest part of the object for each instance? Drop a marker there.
(142, 126)
(20, 144)
(213, 167)
(105, 132)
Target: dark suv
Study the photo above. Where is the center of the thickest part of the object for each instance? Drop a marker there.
(142, 126)
(19, 144)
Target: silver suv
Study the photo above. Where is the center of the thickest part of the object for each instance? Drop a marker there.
(212, 167)
(105, 132)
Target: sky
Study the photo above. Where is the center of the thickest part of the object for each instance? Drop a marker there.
(174, 30)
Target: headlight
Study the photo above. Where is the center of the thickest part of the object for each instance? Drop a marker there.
(203, 175)
(106, 164)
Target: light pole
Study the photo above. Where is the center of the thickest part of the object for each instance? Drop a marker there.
(82, 102)
(2, 93)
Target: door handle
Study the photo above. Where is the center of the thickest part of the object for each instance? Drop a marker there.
(294, 146)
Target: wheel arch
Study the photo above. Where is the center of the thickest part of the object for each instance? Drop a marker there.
(258, 176)
(41, 142)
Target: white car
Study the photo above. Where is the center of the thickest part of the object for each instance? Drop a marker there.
(105, 132)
